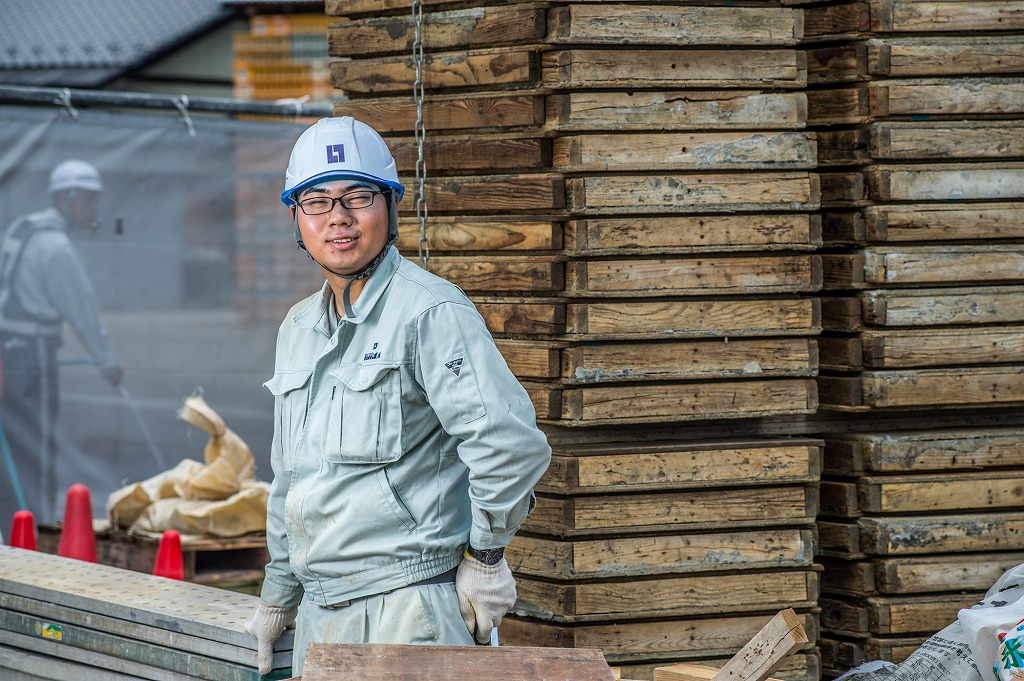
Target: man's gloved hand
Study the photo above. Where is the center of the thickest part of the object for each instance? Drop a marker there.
(486, 593)
(266, 625)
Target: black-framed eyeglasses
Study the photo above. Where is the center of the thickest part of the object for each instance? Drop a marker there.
(318, 205)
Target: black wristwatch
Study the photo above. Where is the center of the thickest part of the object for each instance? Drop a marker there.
(486, 556)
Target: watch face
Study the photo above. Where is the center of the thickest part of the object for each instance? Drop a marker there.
(487, 556)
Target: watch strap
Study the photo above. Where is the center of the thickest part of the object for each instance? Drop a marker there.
(486, 556)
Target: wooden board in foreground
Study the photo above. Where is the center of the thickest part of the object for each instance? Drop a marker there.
(380, 662)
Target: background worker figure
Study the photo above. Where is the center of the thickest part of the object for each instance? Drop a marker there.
(42, 284)
(405, 452)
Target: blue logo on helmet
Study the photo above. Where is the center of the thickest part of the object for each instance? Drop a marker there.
(335, 153)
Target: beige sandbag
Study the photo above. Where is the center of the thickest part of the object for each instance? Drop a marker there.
(157, 516)
(213, 482)
(125, 505)
(224, 442)
(243, 513)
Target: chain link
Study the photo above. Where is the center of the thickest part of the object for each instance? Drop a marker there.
(421, 132)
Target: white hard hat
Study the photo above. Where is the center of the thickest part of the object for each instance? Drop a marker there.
(75, 175)
(337, 149)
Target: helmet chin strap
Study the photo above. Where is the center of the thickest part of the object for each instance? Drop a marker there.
(346, 300)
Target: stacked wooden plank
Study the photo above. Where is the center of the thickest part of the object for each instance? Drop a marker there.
(627, 192)
(917, 105)
(62, 618)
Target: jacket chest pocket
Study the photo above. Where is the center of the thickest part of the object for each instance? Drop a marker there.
(364, 424)
(291, 392)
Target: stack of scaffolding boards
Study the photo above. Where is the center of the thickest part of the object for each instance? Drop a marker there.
(626, 191)
(282, 56)
(917, 106)
(66, 619)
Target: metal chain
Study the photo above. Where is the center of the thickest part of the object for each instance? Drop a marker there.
(421, 132)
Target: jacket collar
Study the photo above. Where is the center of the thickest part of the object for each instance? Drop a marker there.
(314, 314)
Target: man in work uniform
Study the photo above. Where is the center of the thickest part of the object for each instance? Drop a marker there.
(43, 283)
(405, 452)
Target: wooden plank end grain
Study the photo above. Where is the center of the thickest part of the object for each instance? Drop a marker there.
(767, 650)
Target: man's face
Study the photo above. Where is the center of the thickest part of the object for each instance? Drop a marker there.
(78, 206)
(344, 240)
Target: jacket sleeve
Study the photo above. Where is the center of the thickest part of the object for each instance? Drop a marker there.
(479, 401)
(280, 587)
(70, 291)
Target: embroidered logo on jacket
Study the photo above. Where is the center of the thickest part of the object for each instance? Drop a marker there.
(372, 354)
(454, 366)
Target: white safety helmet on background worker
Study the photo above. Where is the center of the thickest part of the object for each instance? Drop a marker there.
(75, 174)
(342, 149)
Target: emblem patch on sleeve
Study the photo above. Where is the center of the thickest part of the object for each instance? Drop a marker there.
(454, 366)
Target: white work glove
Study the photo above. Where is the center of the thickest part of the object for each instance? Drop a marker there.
(486, 593)
(266, 625)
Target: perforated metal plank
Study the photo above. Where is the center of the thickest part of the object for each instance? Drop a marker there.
(183, 607)
(22, 665)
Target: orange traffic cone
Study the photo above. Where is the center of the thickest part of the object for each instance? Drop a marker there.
(23, 531)
(168, 556)
(77, 539)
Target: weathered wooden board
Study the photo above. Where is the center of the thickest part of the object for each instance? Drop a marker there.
(695, 276)
(850, 578)
(842, 63)
(677, 193)
(952, 264)
(764, 653)
(743, 591)
(674, 360)
(440, 31)
(952, 573)
(937, 493)
(974, 96)
(961, 533)
(981, 181)
(800, 666)
(843, 190)
(522, 316)
(839, 539)
(926, 387)
(684, 234)
(661, 554)
(843, 228)
(500, 68)
(447, 112)
(684, 151)
(940, 450)
(616, 24)
(531, 359)
(925, 307)
(497, 193)
(691, 401)
(833, 21)
(394, 662)
(838, 499)
(843, 147)
(838, 655)
(490, 233)
(948, 141)
(945, 55)
(673, 511)
(632, 467)
(490, 154)
(499, 273)
(893, 616)
(694, 319)
(583, 68)
(930, 222)
(677, 110)
(937, 347)
(847, 105)
(908, 16)
(841, 353)
(646, 640)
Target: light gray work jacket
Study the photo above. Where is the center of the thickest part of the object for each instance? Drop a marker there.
(398, 438)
